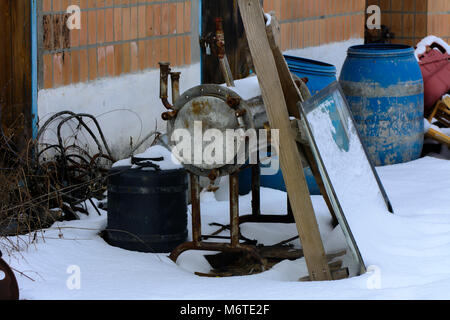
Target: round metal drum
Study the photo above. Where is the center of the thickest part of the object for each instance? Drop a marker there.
(205, 114)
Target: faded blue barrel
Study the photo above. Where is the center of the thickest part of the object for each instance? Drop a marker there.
(320, 75)
(275, 181)
(384, 87)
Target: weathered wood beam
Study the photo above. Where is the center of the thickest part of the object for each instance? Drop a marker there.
(273, 96)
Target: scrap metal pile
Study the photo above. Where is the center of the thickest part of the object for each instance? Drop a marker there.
(47, 182)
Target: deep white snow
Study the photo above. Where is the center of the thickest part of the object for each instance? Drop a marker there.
(408, 254)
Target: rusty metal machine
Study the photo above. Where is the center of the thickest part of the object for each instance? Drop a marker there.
(219, 107)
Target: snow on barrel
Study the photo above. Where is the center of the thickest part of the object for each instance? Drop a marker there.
(147, 202)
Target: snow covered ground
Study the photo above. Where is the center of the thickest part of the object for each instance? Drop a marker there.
(408, 253)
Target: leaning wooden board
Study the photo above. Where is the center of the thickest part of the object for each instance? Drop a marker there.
(277, 112)
(293, 95)
(291, 92)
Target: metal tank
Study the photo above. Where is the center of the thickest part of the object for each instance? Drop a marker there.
(216, 107)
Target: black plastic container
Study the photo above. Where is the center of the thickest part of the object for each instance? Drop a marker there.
(147, 209)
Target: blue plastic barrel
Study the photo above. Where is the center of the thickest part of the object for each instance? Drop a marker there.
(275, 181)
(384, 87)
(320, 75)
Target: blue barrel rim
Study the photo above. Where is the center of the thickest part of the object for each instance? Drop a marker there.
(309, 65)
(380, 50)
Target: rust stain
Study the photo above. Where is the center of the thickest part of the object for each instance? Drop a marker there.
(56, 35)
(198, 107)
(57, 30)
(47, 32)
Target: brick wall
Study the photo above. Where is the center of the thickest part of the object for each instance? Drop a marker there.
(412, 20)
(308, 23)
(116, 37)
(126, 36)
(438, 18)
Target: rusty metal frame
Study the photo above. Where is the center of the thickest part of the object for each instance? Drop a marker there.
(197, 242)
(256, 215)
(234, 245)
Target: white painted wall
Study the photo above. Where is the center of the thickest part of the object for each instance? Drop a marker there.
(332, 53)
(126, 106)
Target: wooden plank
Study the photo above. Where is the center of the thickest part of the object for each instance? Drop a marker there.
(21, 66)
(293, 95)
(5, 61)
(291, 92)
(438, 136)
(289, 155)
(441, 112)
(15, 69)
(15, 66)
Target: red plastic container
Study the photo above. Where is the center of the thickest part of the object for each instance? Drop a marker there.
(435, 66)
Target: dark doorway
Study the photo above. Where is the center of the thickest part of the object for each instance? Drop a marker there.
(235, 41)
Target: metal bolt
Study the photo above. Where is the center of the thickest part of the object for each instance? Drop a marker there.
(213, 174)
(233, 102)
(240, 113)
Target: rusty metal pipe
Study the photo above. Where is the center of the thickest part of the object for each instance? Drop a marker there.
(166, 103)
(175, 79)
(164, 68)
(216, 246)
(195, 205)
(221, 53)
(234, 209)
(166, 116)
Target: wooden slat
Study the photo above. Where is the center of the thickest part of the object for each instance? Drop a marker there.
(5, 60)
(15, 67)
(289, 155)
(291, 92)
(438, 136)
(293, 95)
(21, 46)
